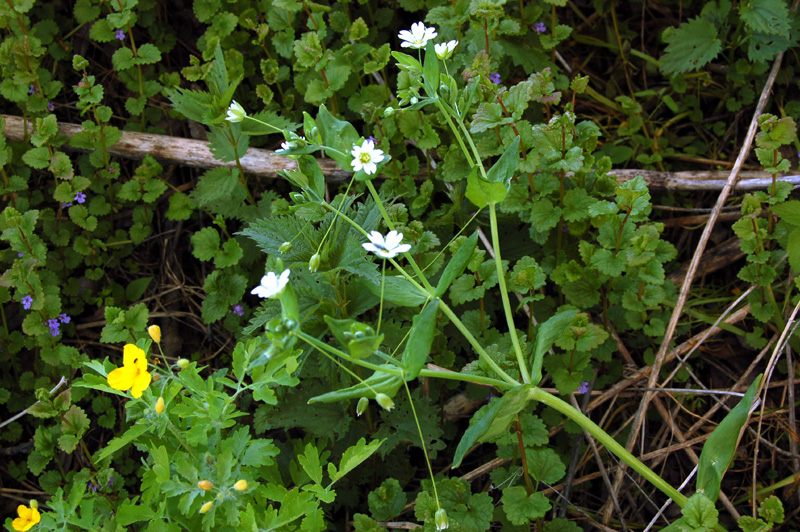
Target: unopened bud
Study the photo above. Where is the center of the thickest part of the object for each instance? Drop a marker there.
(160, 405)
(441, 519)
(297, 197)
(182, 363)
(313, 264)
(155, 333)
(241, 485)
(362, 405)
(155, 376)
(33, 503)
(205, 485)
(385, 401)
(389, 111)
(206, 507)
(285, 247)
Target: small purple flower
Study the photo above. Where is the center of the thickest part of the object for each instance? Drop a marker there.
(20, 255)
(26, 302)
(50, 106)
(540, 27)
(65, 205)
(92, 486)
(111, 481)
(80, 197)
(238, 309)
(63, 318)
(54, 327)
(33, 90)
(583, 388)
(119, 34)
(373, 140)
(494, 77)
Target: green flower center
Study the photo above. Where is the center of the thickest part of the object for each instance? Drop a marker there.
(365, 157)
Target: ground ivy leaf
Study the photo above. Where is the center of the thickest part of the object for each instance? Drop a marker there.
(691, 46)
(522, 509)
(545, 465)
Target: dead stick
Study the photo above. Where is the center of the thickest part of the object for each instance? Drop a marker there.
(687, 283)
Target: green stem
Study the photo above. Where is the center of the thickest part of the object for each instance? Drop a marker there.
(428, 288)
(422, 444)
(466, 377)
(501, 279)
(325, 348)
(537, 394)
(474, 343)
(455, 132)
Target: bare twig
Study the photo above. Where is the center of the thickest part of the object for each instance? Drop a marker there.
(687, 283)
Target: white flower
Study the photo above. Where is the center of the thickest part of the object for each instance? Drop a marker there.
(271, 285)
(445, 50)
(366, 157)
(418, 37)
(236, 112)
(388, 247)
(285, 146)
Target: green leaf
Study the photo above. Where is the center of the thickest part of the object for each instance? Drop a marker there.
(720, 447)
(229, 255)
(520, 508)
(766, 16)
(387, 500)
(120, 442)
(547, 334)
(495, 419)
(691, 46)
(353, 457)
(337, 134)
(37, 158)
(455, 267)
(699, 513)
(378, 382)
(205, 243)
(788, 211)
(148, 54)
(398, 291)
(430, 70)
(503, 170)
(771, 509)
(545, 465)
(310, 462)
(123, 59)
(482, 192)
(420, 340)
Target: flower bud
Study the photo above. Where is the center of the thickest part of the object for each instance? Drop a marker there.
(209, 459)
(385, 401)
(285, 247)
(441, 519)
(33, 503)
(313, 264)
(362, 405)
(205, 485)
(182, 363)
(389, 111)
(206, 507)
(155, 376)
(155, 333)
(160, 405)
(241, 485)
(297, 197)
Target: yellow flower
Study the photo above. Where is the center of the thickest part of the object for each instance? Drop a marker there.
(155, 333)
(205, 485)
(241, 485)
(160, 405)
(133, 374)
(27, 518)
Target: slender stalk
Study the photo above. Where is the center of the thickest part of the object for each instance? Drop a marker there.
(422, 444)
(325, 348)
(501, 279)
(474, 343)
(537, 394)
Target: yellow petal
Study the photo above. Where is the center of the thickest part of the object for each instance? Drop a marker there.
(155, 333)
(140, 383)
(121, 378)
(132, 356)
(35, 516)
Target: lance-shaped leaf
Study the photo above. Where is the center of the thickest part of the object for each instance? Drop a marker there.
(378, 382)
(420, 340)
(495, 420)
(721, 445)
(337, 134)
(456, 265)
(503, 169)
(547, 334)
(430, 70)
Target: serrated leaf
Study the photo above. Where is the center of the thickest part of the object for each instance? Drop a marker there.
(691, 46)
(205, 243)
(766, 16)
(354, 456)
(520, 508)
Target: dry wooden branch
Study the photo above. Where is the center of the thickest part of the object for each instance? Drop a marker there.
(264, 163)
